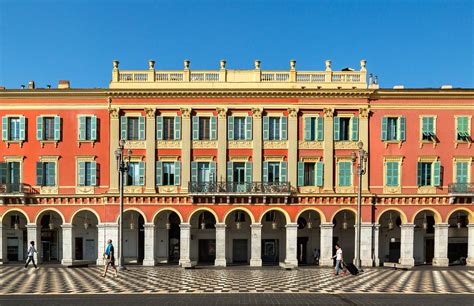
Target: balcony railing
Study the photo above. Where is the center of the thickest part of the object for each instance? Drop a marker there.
(17, 188)
(461, 189)
(248, 189)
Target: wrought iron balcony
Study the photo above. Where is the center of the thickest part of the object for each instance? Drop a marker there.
(14, 192)
(461, 189)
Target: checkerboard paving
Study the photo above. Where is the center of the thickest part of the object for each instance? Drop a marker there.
(167, 279)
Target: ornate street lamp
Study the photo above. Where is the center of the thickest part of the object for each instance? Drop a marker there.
(51, 222)
(238, 223)
(309, 224)
(459, 222)
(132, 223)
(16, 225)
(390, 223)
(345, 225)
(274, 222)
(203, 222)
(425, 223)
(86, 223)
(361, 167)
(122, 167)
(168, 224)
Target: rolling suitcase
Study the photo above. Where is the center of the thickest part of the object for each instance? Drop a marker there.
(352, 268)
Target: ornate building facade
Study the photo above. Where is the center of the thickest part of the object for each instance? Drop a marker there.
(238, 167)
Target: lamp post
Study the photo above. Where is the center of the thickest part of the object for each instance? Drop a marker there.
(122, 167)
(361, 159)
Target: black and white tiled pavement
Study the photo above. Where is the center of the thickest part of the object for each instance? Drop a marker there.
(137, 279)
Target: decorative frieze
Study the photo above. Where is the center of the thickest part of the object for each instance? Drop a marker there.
(275, 144)
(240, 144)
(85, 190)
(312, 145)
(168, 189)
(204, 144)
(49, 190)
(133, 189)
(342, 145)
(168, 144)
(135, 144)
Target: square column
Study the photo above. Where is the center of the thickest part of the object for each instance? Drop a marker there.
(150, 145)
(326, 244)
(293, 147)
(106, 231)
(365, 244)
(67, 244)
(185, 148)
(149, 258)
(221, 144)
(33, 235)
(114, 114)
(185, 245)
(220, 245)
(407, 235)
(328, 155)
(470, 245)
(257, 145)
(2, 241)
(291, 260)
(441, 245)
(376, 244)
(256, 245)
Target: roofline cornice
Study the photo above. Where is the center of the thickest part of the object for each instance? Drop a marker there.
(429, 93)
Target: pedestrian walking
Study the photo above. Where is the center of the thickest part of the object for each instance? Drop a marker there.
(31, 253)
(339, 259)
(316, 257)
(109, 258)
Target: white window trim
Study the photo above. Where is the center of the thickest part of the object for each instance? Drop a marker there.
(420, 133)
(462, 159)
(344, 189)
(17, 159)
(350, 128)
(456, 141)
(392, 189)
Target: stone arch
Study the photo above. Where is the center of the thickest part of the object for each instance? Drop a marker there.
(17, 210)
(49, 209)
(436, 214)
(342, 209)
(203, 209)
(181, 220)
(470, 214)
(403, 216)
(320, 213)
(133, 209)
(88, 210)
(252, 217)
(287, 217)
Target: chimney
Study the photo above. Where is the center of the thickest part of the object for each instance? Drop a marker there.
(447, 87)
(398, 87)
(31, 85)
(64, 84)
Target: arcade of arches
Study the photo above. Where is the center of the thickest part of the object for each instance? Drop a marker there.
(269, 236)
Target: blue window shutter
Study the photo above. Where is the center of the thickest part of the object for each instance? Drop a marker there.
(248, 172)
(177, 129)
(82, 128)
(159, 173)
(22, 128)
(284, 128)
(141, 128)
(418, 174)
(230, 128)
(248, 128)
(194, 171)
(94, 128)
(436, 174)
(57, 128)
(355, 128)
(123, 128)
(384, 128)
(388, 174)
(307, 129)
(265, 172)
(159, 127)
(336, 128)
(403, 124)
(195, 128)
(39, 174)
(93, 173)
(320, 128)
(82, 173)
(283, 171)
(301, 171)
(3, 172)
(461, 172)
(141, 173)
(212, 172)
(424, 125)
(319, 173)
(177, 173)
(266, 128)
(4, 128)
(230, 172)
(51, 178)
(39, 128)
(213, 128)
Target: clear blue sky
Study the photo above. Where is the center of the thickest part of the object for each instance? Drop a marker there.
(414, 43)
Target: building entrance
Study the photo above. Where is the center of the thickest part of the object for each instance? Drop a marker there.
(239, 250)
(207, 251)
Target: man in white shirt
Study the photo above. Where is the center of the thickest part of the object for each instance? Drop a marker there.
(339, 259)
(31, 254)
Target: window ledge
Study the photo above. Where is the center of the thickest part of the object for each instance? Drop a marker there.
(43, 142)
(345, 144)
(305, 144)
(275, 144)
(134, 144)
(387, 142)
(10, 142)
(310, 189)
(49, 190)
(85, 190)
(240, 144)
(80, 142)
(168, 144)
(426, 189)
(392, 189)
(458, 142)
(205, 144)
(425, 142)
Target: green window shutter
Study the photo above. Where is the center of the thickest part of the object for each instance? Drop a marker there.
(177, 129)
(461, 172)
(4, 128)
(403, 124)
(177, 173)
(93, 127)
(265, 172)
(283, 171)
(57, 128)
(355, 128)
(384, 128)
(319, 173)
(51, 178)
(212, 172)
(418, 174)
(3, 172)
(194, 171)
(82, 173)
(141, 173)
(195, 128)
(391, 175)
(230, 172)
(307, 130)
(301, 172)
(345, 173)
(22, 128)
(248, 128)
(93, 173)
(266, 127)
(123, 128)
(159, 127)
(336, 128)
(284, 128)
(141, 128)
(39, 128)
(320, 128)
(213, 128)
(159, 173)
(248, 172)
(431, 124)
(230, 128)
(82, 128)
(39, 173)
(436, 174)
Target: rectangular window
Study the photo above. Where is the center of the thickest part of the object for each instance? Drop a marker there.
(462, 171)
(239, 128)
(136, 174)
(462, 129)
(48, 124)
(344, 128)
(391, 175)
(345, 174)
(133, 131)
(204, 128)
(46, 173)
(87, 128)
(87, 173)
(204, 173)
(168, 173)
(168, 128)
(425, 174)
(309, 174)
(274, 128)
(274, 172)
(313, 128)
(10, 173)
(392, 128)
(427, 129)
(14, 128)
(239, 173)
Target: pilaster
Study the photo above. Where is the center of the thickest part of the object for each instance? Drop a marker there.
(328, 146)
(376, 244)
(256, 245)
(114, 114)
(149, 258)
(326, 244)
(365, 244)
(293, 147)
(67, 244)
(150, 146)
(185, 245)
(407, 235)
(221, 144)
(185, 148)
(470, 245)
(220, 245)
(33, 235)
(364, 137)
(257, 144)
(2, 241)
(291, 259)
(441, 245)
